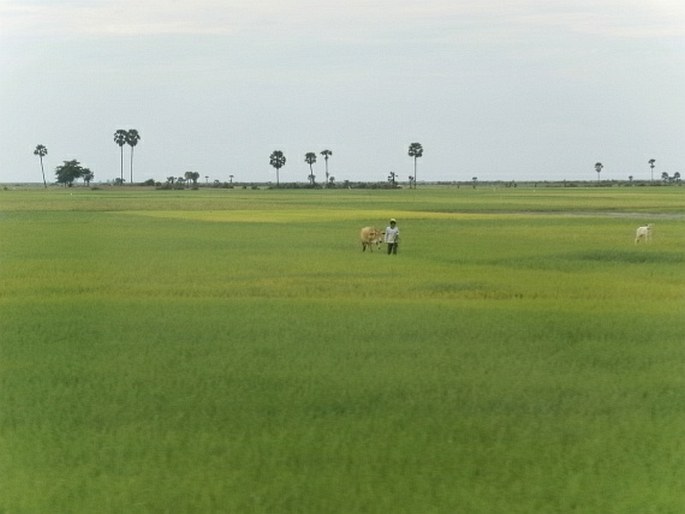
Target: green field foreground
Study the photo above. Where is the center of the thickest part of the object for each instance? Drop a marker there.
(234, 351)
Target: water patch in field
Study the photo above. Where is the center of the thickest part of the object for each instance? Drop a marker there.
(467, 290)
(454, 287)
(629, 257)
(237, 215)
(572, 262)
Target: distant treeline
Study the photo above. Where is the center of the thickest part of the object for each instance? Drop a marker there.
(371, 185)
(387, 185)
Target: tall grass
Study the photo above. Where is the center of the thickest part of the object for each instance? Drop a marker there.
(235, 351)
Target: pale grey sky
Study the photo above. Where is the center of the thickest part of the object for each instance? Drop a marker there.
(517, 90)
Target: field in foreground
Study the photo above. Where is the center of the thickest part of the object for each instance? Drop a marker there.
(234, 351)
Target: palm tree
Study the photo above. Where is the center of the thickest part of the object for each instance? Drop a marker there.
(415, 151)
(132, 138)
(326, 154)
(598, 169)
(120, 139)
(651, 165)
(41, 152)
(277, 160)
(310, 158)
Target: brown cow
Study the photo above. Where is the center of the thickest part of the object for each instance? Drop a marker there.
(370, 237)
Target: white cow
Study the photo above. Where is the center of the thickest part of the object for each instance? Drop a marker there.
(370, 237)
(643, 233)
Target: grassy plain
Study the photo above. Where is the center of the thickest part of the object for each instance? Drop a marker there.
(234, 351)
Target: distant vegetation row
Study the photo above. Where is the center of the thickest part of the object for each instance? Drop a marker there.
(70, 171)
(67, 173)
(216, 184)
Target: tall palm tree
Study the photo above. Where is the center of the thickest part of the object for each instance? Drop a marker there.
(310, 158)
(132, 138)
(326, 154)
(598, 169)
(41, 152)
(415, 151)
(120, 139)
(651, 165)
(277, 160)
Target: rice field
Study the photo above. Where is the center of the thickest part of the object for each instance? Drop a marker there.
(234, 351)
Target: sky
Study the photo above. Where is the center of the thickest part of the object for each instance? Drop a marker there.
(499, 90)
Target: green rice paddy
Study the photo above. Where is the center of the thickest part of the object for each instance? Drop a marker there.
(234, 351)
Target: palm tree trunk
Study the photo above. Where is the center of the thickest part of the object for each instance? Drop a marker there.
(121, 173)
(132, 165)
(42, 170)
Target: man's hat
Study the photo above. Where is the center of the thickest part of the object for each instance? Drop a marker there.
(392, 220)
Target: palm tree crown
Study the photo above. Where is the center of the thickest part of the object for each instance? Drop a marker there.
(40, 151)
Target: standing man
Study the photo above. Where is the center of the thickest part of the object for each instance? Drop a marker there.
(392, 236)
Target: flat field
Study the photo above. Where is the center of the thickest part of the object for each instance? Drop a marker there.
(234, 351)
